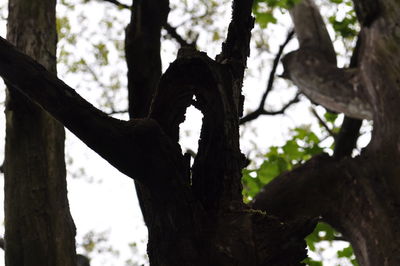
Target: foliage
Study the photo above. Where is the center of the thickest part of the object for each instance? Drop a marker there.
(96, 244)
(301, 147)
(344, 23)
(347, 25)
(303, 144)
(263, 10)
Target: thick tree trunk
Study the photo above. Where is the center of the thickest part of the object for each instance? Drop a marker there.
(359, 196)
(39, 229)
(194, 216)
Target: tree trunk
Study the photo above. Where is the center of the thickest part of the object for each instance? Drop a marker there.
(39, 229)
(359, 196)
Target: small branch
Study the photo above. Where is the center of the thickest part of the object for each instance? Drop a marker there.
(271, 78)
(322, 122)
(170, 29)
(117, 3)
(115, 112)
(259, 112)
(174, 34)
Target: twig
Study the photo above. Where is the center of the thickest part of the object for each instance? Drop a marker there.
(117, 3)
(260, 110)
(322, 122)
(174, 34)
(170, 29)
(114, 112)
(271, 78)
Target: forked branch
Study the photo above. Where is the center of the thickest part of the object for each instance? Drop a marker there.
(313, 67)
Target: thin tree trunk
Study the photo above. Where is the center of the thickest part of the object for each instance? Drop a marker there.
(39, 229)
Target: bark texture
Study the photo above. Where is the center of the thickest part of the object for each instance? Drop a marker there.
(194, 216)
(359, 196)
(39, 229)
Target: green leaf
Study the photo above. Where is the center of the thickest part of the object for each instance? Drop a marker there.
(346, 253)
(311, 262)
(268, 171)
(292, 151)
(264, 18)
(330, 117)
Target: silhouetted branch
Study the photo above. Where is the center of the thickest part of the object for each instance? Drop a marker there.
(170, 29)
(348, 135)
(271, 78)
(174, 34)
(322, 122)
(115, 112)
(117, 3)
(260, 110)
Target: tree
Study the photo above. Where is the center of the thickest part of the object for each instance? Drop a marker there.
(38, 225)
(196, 216)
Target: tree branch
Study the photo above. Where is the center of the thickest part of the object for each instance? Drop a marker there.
(170, 29)
(117, 3)
(126, 145)
(236, 46)
(271, 78)
(178, 38)
(306, 191)
(215, 172)
(313, 67)
(260, 110)
(322, 122)
(346, 140)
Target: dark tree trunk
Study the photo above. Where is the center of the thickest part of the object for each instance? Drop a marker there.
(195, 216)
(39, 229)
(359, 196)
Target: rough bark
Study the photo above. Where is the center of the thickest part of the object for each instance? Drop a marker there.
(39, 229)
(359, 196)
(313, 67)
(197, 217)
(142, 50)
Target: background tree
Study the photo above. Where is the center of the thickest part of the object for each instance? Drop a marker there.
(38, 226)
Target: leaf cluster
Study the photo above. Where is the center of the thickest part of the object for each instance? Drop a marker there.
(301, 147)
